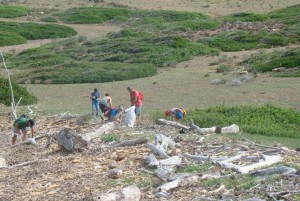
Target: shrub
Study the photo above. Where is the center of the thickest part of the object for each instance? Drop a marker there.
(48, 19)
(11, 38)
(19, 91)
(7, 11)
(245, 17)
(264, 62)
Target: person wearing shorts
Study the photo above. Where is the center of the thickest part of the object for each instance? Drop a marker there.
(19, 128)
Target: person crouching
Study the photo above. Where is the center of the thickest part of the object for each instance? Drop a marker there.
(176, 114)
(114, 114)
(19, 127)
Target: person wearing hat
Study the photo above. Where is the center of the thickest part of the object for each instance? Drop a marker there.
(175, 113)
(20, 125)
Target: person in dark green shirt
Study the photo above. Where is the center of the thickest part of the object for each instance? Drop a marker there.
(20, 125)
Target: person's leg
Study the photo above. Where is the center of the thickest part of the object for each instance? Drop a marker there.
(97, 109)
(93, 108)
(16, 132)
(138, 112)
(24, 131)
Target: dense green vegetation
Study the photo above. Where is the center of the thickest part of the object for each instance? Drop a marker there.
(245, 17)
(151, 39)
(19, 91)
(243, 40)
(11, 38)
(266, 120)
(264, 62)
(93, 15)
(124, 55)
(7, 11)
(49, 19)
(264, 38)
(33, 31)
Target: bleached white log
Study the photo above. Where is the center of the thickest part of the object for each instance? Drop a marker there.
(275, 170)
(151, 160)
(158, 151)
(130, 193)
(3, 163)
(209, 130)
(164, 172)
(163, 142)
(174, 124)
(234, 158)
(195, 127)
(105, 129)
(172, 161)
(197, 158)
(230, 129)
(182, 181)
(268, 160)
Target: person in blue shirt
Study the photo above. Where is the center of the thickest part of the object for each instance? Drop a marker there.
(114, 113)
(95, 97)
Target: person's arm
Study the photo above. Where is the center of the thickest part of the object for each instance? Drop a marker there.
(109, 101)
(32, 132)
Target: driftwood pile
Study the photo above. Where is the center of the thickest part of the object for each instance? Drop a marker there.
(70, 161)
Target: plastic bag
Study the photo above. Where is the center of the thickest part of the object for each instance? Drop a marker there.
(130, 116)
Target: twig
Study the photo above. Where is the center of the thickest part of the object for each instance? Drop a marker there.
(28, 163)
(260, 145)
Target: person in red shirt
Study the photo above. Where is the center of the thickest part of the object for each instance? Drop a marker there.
(136, 99)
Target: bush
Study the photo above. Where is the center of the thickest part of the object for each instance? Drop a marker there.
(48, 19)
(11, 38)
(245, 17)
(265, 62)
(7, 11)
(5, 94)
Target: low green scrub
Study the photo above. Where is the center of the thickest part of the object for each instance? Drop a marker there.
(12, 33)
(125, 55)
(7, 11)
(93, 15)
(19, 91)
(245, 17)
(110, 138)
(289, 15)
(237, 41)
(48, 19)
(11, 38)
(266, 120)
(265, 62)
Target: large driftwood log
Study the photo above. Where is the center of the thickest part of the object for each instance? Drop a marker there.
(130, 193)
(172, 161)
(164, 172)
(174, 124)
(105, 129)
(268, 160)
(181, 181)
(195, 127)
(158, 151)
(140, 140)
(274, 170)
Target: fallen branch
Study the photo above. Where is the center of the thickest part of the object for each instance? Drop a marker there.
(197, 158)
(195, 128)
(130, 193)
(28, 163)
(158, 151)
(274, 170)
(181, 181)
(260, 145)
(173, 124)
(141, 140)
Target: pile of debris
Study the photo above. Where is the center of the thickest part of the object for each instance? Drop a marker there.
(71, 160)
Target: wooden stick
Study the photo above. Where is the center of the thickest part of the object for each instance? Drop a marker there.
(28, 163)
(140, 140)
(158, 151)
